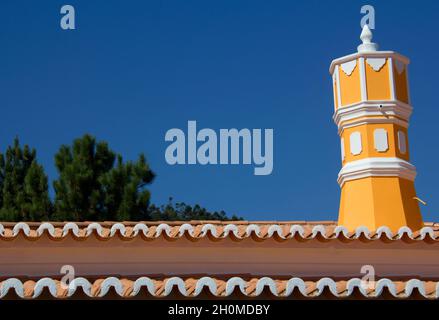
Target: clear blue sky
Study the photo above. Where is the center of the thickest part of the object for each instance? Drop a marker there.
(134, 69)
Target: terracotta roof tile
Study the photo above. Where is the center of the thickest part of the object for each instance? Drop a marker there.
(300, 230)
(192, 287)
(430, 288)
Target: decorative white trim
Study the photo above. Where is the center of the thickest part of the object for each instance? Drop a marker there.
(275, 228)
(342, 149)
(341, 230)
(11, 283)
(70, 226)
(355, 143)
(44, 283)
(363, 83)
(355, 283)
(381, 284)
(45, 226)
(377, 54)
(177, 284)
(378, 107)
(205, 282)
(95, 227)
(140, 227)
(318, 229)
(424, 231)
(349, 67)
(186, 227)
(231, 228)
(412, 284)
(376, 167)
(266, 282)
(384, 230)
(163, 227)
(326, 282)
(297, 229)
(381, 142)
(295, 283)
(378, 103)
(209, 228)
(111, 282)
(362, 231)
(391, 80)
(21, 226)
(144, 282)
(376, 63)
(254, 229)
(334, 88)
(404, 231)
(337, 75)
(402, 142)
(79, 282)
(233, 283)
(175, 281)
(117, 227)
(373, 108)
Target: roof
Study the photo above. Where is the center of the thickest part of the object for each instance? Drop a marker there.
(306, 230)
(215, 259)
(171, 287)
(218, 288)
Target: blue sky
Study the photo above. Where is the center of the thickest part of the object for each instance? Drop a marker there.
(134, 69)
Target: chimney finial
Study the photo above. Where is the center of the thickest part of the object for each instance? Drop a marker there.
(366, 37)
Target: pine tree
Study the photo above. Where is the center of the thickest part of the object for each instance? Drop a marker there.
(37, 205)
(91, 187)
(124, 187)
(181, 211)
(79, 194)
(24, 189)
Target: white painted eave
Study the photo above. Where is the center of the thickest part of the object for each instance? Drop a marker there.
(372, 54)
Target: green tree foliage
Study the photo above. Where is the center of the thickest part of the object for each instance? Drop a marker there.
(125, 196)
(94, 183)
(91, 187)
(23, 186)
(183, 212)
